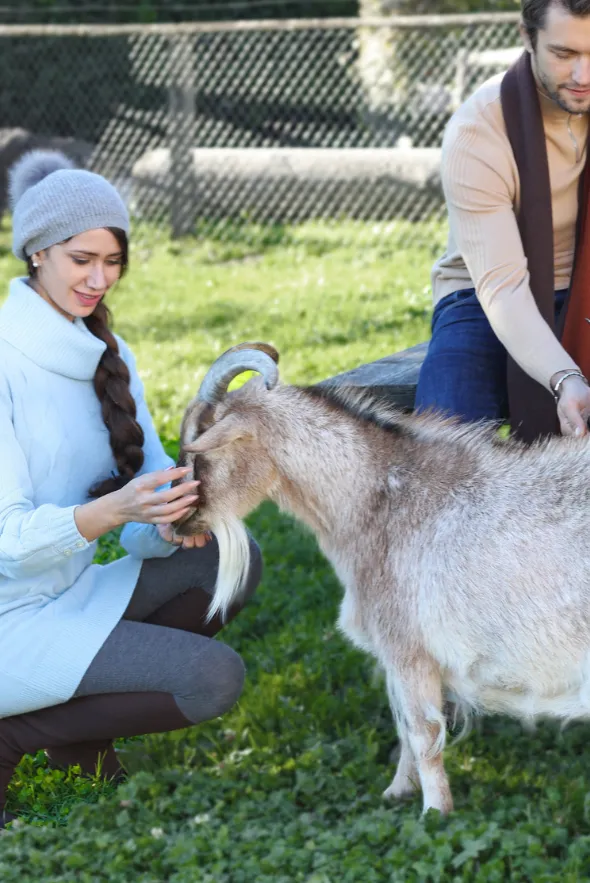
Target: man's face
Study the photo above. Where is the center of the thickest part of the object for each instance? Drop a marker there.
(561, 59)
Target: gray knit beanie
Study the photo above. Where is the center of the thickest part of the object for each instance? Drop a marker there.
(51, 201)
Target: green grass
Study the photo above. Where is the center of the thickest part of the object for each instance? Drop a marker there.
(287, 787)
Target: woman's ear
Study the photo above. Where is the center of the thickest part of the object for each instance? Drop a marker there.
(38, 257)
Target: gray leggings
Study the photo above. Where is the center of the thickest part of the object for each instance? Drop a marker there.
(163, 644)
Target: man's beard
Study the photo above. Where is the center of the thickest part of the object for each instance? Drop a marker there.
(555, 96)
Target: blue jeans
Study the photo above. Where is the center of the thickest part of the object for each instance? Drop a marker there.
(464, 372)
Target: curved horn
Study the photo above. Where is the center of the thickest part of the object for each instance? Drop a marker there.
(259, 357)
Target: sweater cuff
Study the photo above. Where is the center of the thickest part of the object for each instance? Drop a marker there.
(68, 540)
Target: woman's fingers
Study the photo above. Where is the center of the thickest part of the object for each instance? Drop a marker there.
(197, 541)
(174, 493)
(166, 531)
(164, 507)
(152, 480)
(165, 513)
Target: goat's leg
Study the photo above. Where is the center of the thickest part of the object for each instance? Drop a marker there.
(415, 696)
(406, 780)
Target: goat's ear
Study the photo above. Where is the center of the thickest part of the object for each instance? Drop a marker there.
(224, 432)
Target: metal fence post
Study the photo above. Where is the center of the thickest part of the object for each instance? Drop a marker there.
(181, 131)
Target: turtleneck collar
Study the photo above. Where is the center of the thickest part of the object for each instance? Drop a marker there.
(46, 337)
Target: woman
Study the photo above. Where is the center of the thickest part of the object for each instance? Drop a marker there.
(88, 652)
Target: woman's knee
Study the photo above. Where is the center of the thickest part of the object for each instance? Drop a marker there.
(229, 678)
(216, 686)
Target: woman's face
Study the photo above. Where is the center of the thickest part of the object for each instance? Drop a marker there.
(74, 276)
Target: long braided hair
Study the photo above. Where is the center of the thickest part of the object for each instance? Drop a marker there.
(111, 383)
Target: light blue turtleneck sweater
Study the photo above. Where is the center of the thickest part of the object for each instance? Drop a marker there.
(56, 607)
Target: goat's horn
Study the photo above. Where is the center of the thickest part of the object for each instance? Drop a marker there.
(259, 357)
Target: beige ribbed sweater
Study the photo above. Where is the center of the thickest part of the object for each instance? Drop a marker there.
(484, 251)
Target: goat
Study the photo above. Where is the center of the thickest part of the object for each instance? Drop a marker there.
(465, 559)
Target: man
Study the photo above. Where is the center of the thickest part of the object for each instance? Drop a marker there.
(509, 327)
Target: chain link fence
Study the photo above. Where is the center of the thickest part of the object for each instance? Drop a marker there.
(270, 122)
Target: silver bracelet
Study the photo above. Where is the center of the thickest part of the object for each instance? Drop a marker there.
(555, 388)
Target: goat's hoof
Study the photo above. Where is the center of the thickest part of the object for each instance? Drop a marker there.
(444, 807)
(400, 790)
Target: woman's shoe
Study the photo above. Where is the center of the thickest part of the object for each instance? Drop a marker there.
(91, 757)
(89, 719)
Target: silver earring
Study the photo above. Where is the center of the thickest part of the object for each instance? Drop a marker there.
(35, 264)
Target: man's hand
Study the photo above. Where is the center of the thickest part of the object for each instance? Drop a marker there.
(167, 533)
(573, 406)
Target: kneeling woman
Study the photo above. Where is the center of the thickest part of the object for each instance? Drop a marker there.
(90, 652)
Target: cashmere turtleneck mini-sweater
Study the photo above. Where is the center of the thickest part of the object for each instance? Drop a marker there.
(56, 607)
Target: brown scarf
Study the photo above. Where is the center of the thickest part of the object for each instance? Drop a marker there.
(532, 409)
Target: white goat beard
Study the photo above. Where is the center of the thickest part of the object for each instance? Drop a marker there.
(234, 564)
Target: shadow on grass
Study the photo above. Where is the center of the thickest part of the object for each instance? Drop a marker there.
(361, 329)
(227, 241)
(214, 316)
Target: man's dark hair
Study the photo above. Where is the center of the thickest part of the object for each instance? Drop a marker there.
(534, 13)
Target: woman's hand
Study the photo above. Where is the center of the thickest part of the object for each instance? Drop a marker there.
(197, 541)
(573, 406)
(140, 501)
